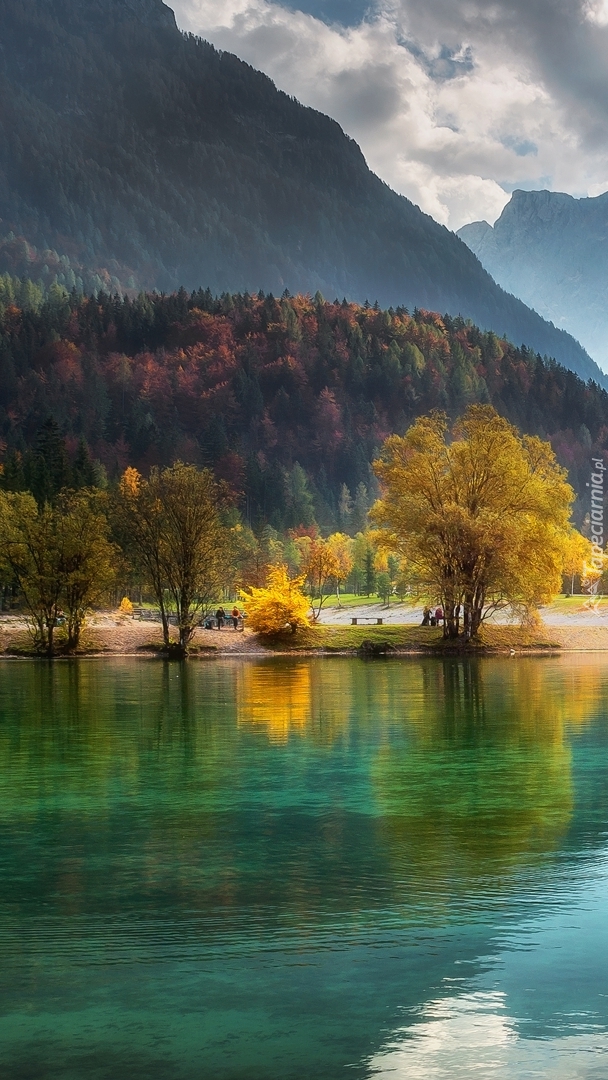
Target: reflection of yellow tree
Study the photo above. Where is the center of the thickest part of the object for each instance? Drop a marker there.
(458, 770)
(314, 698)
(487, 782)
(275, 699)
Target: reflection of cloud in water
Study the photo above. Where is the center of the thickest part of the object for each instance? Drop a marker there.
(472, 1035)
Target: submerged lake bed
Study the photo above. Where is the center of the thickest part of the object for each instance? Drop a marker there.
(280, 868)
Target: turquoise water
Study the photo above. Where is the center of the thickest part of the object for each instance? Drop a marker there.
(292, 869)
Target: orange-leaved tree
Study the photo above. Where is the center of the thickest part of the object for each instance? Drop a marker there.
(341, 546)
(279, 605)
(320, 566)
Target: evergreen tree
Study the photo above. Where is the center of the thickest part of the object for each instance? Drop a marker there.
(300, 504)
(83, 469)
(370, 572)
(48, 466)
(345, 509)
(360, 509)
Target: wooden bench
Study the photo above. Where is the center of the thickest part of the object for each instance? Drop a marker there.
(146, 614)
(366, 619)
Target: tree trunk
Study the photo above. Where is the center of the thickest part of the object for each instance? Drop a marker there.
(451, 620)
(165, 624)
(74, 628)
(476, 615)
(450, 623)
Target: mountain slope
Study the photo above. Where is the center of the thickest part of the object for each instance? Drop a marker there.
(551, 251)
(143, 153)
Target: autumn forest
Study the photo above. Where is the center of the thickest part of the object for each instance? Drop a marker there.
(287, 400)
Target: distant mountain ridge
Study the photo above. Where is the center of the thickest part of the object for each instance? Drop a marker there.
(551, 250)
(146, 157)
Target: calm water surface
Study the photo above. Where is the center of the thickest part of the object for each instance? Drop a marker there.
(275, 870)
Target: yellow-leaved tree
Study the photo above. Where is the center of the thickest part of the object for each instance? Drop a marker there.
(172, 526)
(279, 605)
(62, 559)
(577, 558)
(341, 546)
(320, 566)
(480, 512)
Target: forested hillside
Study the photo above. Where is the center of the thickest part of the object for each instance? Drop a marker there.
(135, 156)
(288, 400)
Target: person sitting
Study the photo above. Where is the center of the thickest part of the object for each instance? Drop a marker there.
(235, 617)
(439, 615)
(220, 615)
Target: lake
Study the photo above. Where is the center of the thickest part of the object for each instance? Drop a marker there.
(304, 868)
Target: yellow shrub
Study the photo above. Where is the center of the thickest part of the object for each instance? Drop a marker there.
(126, 607)
(280, 605)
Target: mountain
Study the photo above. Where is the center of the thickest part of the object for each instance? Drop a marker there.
(143, 157)
(551, 251)
(288, 400)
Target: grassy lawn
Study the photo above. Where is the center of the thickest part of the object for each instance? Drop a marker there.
(571, 604)
(341, 638)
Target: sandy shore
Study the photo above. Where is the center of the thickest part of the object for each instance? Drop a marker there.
(113, 634)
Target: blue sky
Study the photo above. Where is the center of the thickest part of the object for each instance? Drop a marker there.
(455, 103)
(344, 12)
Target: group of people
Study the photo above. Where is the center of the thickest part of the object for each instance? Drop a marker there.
(221, 618)
(437, 617)
(432, 618)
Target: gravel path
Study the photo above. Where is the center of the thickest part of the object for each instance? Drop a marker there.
(401, 614)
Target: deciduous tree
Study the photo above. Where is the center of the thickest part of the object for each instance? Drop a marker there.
(341, 546)
(480, 512)
(60, 557)
(173, 522)
(320, 565)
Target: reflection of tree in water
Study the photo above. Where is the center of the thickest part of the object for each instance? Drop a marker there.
(275, 699)
(276, 782)
(119, 762)
(319, 701)
(486, 783)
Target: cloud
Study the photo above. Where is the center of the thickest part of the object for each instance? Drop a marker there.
(454, 102)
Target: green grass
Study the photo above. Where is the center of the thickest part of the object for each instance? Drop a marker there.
(570, 604)
(348, 638)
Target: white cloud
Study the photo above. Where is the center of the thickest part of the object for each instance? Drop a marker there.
(454, 102)
(596, 11)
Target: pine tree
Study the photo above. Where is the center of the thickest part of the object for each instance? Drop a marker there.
(83, 469)
(345, 508)
(49, 466)
(360, 509)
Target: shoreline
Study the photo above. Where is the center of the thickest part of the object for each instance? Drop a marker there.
(110, 635)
